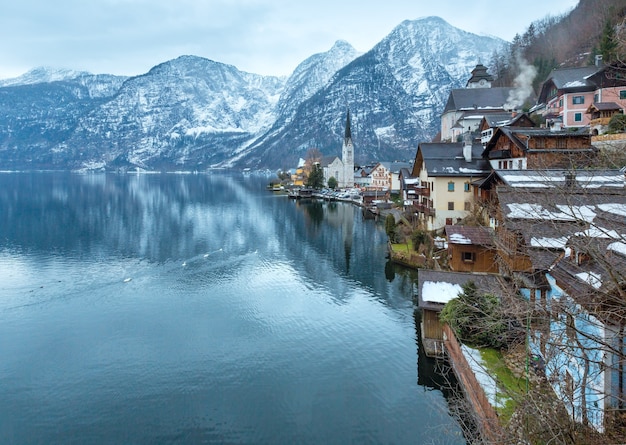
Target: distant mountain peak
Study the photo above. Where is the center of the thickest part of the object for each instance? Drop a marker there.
(43, 74)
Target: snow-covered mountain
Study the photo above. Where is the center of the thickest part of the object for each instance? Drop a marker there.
(194, 113)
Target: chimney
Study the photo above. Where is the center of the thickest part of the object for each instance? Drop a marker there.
(467, 147)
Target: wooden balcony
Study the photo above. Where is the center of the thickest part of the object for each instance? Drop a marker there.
(427, 211)
(421, 191)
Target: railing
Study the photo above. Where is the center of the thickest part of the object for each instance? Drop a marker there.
(427, 211)
(420, 191)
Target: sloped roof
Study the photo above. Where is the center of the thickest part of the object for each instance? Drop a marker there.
(327, 160)
(463, 99)
(477, 236)
(568, 80)
(512, 134)
(604, 106)
(395, 166)
(446, 159)
(555, 178)
(499, 119)
(435, 288)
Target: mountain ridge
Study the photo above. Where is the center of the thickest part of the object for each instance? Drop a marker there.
(196, 113)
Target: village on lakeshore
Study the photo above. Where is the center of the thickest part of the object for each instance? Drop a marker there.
(527, 206)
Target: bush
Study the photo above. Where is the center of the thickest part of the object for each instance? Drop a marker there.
(420, 238)
(478, 319)
(617, 124)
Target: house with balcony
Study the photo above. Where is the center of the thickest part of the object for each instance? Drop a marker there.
(445, 172)
(609, 98)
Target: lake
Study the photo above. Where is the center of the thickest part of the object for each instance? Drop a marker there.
(177, 309)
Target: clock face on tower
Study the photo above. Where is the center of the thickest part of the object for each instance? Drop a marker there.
(482, 82)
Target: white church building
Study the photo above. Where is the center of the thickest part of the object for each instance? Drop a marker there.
(342, 169)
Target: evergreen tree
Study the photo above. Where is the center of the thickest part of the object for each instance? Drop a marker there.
(316, 177)
(608, 43)
(332, 183)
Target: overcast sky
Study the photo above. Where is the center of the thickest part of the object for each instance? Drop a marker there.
(128, 37)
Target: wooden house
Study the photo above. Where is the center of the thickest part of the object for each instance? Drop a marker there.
(600, 114)
(490, 122)
(517, 148)
(471, 249)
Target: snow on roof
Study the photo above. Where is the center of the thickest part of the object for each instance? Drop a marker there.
(617, 209)
(470, 170)
(591, 278)
(619, 247)
(575, 83)
(549, 243)
(599, 232)
(535, 211)
(440, 292)
(458, 238)
(584, 213)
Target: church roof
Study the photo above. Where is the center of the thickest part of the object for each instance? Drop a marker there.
(479, 99)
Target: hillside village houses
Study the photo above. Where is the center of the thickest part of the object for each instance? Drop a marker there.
(558, 226)
(545, 208)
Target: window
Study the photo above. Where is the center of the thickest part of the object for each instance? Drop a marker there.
(578, 100)
(578, 117)
(468, 257)
(622, 94)
(448, 221)
(466, 187)
(468, 206)
(451, 205)
(450, 186)
(520, 164)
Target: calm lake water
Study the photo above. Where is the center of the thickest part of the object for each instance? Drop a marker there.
(177, 309)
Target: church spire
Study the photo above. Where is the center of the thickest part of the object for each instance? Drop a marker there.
(348, 135)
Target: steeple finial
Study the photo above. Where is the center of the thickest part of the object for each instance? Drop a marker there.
(348, 134)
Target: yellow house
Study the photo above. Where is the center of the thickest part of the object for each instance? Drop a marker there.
(446, 172)
(298, 178)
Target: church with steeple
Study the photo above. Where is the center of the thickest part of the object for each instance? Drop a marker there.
(342, 169)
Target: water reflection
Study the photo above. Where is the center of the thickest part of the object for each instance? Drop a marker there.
(248, 317)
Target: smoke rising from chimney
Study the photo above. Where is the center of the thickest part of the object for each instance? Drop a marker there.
(523, 84)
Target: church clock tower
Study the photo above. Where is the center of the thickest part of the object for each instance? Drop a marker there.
(347, 156)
